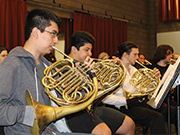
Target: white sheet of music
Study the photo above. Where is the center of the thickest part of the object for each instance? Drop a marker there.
(162, 87)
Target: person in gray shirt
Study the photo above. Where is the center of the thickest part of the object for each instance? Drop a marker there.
(23, 69)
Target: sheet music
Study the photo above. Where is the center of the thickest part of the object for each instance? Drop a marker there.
(170, 68)
(165, 84)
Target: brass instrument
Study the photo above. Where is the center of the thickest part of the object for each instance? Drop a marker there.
(172, 61)
(110, 74)
(75, 89)
(147, 62)
(144, 82)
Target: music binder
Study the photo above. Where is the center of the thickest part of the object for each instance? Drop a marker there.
(165, 85)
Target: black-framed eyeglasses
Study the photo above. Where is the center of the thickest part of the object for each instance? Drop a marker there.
(54, 34)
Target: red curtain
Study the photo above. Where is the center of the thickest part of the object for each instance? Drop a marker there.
(169, 10)
(12, 15)
(109, 34)
(66, 27)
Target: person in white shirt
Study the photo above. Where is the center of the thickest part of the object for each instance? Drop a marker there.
(106, 121)
(137, 107)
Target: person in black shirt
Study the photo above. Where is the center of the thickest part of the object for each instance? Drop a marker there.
(162, 57)
(161, 61)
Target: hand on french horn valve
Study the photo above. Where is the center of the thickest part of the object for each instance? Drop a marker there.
(89, 61)
(157, 72)
(116, 59)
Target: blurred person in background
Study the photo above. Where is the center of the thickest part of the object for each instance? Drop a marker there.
(103, 56)
(3, 53)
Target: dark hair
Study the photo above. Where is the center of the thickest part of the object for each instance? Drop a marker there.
(2, 48)
(141, 54)
(39, 18)
(161, 52)
(126, 47)
(78, 39)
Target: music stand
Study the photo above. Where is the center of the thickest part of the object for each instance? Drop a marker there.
(170, 79)
(165, 85)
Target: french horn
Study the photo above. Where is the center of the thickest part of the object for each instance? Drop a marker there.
(110, 74)
(76, 88)
(144, 82)
(147, 62)
(172, 61)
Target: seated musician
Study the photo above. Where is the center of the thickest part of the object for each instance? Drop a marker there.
(23, 69)
(137, 107)
(106, 121)
(162, 60)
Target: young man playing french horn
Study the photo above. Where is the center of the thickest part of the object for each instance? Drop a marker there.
(137, 107)
(23, 69)
(106, 121)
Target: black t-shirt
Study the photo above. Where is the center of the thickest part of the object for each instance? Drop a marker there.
(161, 69)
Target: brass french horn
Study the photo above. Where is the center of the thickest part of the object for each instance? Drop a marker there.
(144, 82)
(146, 62)
(172, 61)
(76, 88)
(110, 74)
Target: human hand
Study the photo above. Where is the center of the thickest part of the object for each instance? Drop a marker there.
(89, 61)
(117, 59)
(157, 72)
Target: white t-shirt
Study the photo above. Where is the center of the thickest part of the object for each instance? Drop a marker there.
(118, 99)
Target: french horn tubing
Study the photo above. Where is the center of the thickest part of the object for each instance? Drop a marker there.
(75, 91)
(144, 82)
(76, 88)
(147, 62)
(172, 61)
(111, 75)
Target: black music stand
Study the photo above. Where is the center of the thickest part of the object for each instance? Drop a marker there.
(170, 79)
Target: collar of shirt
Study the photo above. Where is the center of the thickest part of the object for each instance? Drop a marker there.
(127, 86)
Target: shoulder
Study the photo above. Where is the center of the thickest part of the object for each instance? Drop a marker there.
(11, 64)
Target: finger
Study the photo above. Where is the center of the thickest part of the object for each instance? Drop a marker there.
(77, 63)
(90, 60)
(92, 65)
